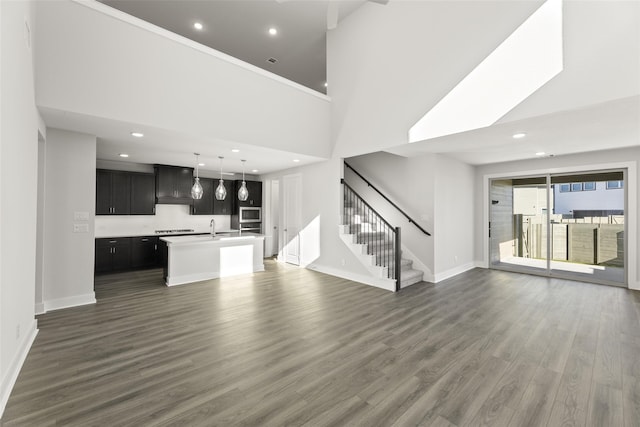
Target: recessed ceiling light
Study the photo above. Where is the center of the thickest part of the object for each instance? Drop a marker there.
(254, 170)
(519, 135)
(201, 164)
(235, 150)
(123, 155)
(137, 134)
(296, 160)
(198, 25)
(273, 31)
(540, 153)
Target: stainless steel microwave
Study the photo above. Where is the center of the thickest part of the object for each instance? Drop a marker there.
(249, 214)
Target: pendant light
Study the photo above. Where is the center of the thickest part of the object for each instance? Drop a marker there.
(196, 190)
(221, 192)
(243, 193)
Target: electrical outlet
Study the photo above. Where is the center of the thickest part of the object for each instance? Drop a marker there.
(343, 262)
(17, 331)
(80, 228)
(455, 259)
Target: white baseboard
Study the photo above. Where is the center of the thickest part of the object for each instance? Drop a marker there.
(480, 264)
(40, 308)
(74, 301)
(634, 285)
(454, 271)
(386, 284)
(10, 377)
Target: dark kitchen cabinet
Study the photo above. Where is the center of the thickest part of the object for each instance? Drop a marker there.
(144, 252)
(113, 192)
(255, 194)
(173, 184)
(224, 207)
(143, 187)
(204, 206)
(112, 254)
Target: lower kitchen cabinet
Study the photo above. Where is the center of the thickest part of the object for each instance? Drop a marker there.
(113, 254)
(144, 252)
(126, 253)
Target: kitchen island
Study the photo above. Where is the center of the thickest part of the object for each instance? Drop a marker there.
(195, 258)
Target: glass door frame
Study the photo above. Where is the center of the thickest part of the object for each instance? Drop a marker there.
(629, 176)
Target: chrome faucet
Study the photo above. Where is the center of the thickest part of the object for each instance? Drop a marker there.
(212, 227)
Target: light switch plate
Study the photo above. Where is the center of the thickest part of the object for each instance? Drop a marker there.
(81, 216)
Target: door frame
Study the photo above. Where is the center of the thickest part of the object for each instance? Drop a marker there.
(631, 203)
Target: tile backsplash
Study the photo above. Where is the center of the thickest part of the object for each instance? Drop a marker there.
(166, 217)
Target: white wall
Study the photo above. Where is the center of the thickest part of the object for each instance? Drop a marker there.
(70, 173)
(454, 217)
(321, 247)
(18, 192)
(388, 65)
(101, 61)
(573, 163)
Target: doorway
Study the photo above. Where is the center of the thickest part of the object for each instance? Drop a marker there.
(291, 194)
(272, 218)
(561, 225)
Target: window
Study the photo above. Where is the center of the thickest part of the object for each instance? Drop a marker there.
(565, 188)
(614, 184)
(589, 186)
(576, 186)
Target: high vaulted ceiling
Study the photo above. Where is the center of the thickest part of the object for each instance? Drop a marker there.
(240, 28)
(593, 104)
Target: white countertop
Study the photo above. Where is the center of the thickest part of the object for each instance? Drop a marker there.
(192, 233)
(207, 238)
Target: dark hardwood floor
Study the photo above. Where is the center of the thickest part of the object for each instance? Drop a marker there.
(295, 347)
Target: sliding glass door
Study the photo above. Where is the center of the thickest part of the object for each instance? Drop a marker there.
(561, 225)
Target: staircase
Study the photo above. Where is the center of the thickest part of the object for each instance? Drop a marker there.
(374, 242)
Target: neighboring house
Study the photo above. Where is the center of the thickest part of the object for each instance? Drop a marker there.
(589, 199)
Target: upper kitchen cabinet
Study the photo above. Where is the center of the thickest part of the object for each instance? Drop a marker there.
(255, 194)
(173, 185)
(204, 206)
(143, 197)
(113, 192)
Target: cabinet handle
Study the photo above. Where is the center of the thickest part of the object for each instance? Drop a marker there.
(113, 241)
(155, 247)
(114, 250)
(145, 240)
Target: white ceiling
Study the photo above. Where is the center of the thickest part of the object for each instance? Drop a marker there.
(161, 146)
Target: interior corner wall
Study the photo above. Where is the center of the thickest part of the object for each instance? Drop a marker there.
(320, 245)
(578, 162)
(409, 183)
(454, 217)
(70, 173)
(18, 190)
